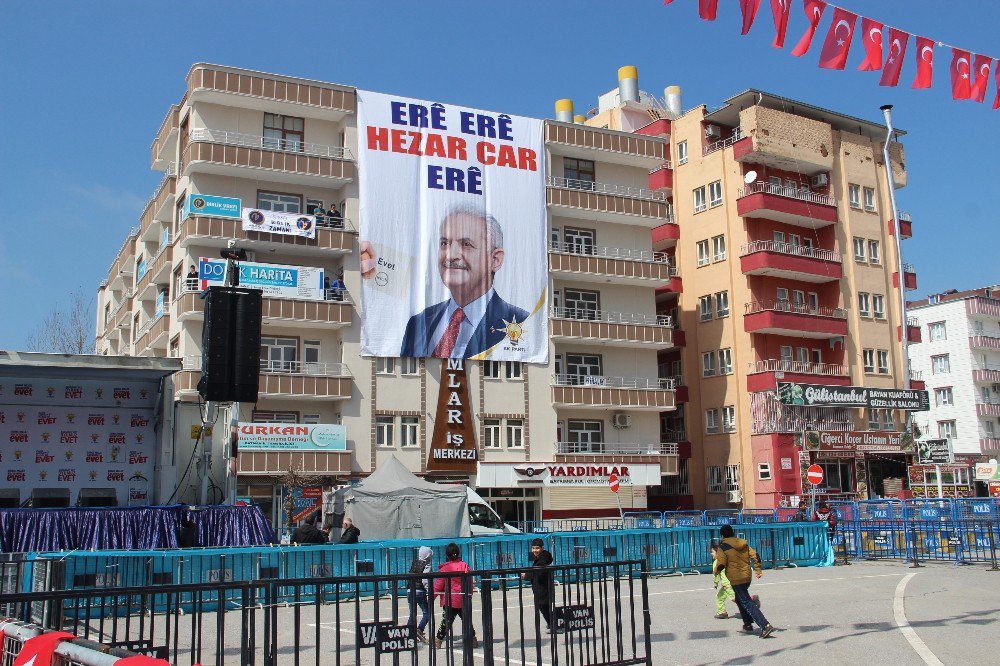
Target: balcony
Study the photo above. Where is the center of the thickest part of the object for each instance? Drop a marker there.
(988, 373)
(618, 329)
(157, 273)
(988, 441)
(608, 203)
(661, 178)
(596, 391)
(984, 342)
(666, 235)
(798, 207)
(336, 311)
(784, 141)
(912, 331)
(909, 276)
(794, 319)
(295, 162)
(905, 226)
(590, 263)
(122, 266)
(217, 231)
(165, 144)
(283, 380)
(604, 145)
(152, 335)
(917, 380)
(795, 262)
(615, 451)
(159, 206)
(987, 407)
(983, 305)
(673, 436)
(764, 375)
(736, 136)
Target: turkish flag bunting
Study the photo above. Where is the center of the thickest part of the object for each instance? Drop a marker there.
(707, 9)
(894, 62)
(838, 40)
(982, 79)
(39, 649)
(814, 12)
(749, 9)
(996, 102)
(780, 9)
(925, 63)
(961, 66)
(871, 37)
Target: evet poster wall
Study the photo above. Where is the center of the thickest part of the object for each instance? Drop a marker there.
(452, 231)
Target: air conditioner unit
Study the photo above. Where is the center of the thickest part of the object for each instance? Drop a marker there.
(713, 132)
(821, 180)
(734, 496)
(621, 421)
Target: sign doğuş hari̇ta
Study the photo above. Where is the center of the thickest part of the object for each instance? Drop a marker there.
(453, 446)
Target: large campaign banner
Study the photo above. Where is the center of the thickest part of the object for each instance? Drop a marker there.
(452, 231)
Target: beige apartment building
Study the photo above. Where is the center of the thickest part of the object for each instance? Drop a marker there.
(547, 436)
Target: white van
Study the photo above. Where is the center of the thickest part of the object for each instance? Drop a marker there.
(483, 520)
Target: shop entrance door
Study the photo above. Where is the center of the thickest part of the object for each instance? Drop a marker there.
(515, 506)
(887, 474)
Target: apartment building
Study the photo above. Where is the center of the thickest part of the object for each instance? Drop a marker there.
(958, 359)
(547, 437)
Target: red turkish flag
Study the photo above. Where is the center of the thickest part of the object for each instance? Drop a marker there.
(814, 12)
(894, 62)
(925, 63)
(780, 9)
(141, 660)
(982, 69)
(961, 85)
(996, 102)
(871, 37)
(838, 40)
(38, 651)
(707, 9)
(749, 9)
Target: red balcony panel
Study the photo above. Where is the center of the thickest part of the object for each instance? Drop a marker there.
(680, 340)
(661, 179)
(665, 236)
(789, 210)
(767, 381)
(918, 385)
(673, 286)
(742, 148)
(905, 228)
(795, 267)
(684, 449)
(682, 394)
(912, 334)
(795, 324)
(910, 278)
(656, 128)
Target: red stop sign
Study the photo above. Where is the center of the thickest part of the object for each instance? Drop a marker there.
(815, 474)
(613, 483)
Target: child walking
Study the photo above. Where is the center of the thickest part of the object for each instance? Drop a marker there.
(723, 589)
(450, 591)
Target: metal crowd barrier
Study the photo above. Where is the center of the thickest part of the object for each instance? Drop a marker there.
(79, 652)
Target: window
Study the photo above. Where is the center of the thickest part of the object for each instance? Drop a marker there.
(715, 193)
(585, 436)
(383, 431)
(491, 433)
(578, 172)
(883, 361)
(283, 132)
(282, 203)
(514, 370)
(703, 253)
(722, 304)
(782, 296)
(579, 366)
(802, 354)
(712, 421)
(275, 417)
(175, 347)
(278, 354)
(715, 484)
(580, 241)
(854, 195)
(729, 418)
(582, 304)
(947, 430)
(878, 305)
(874, 255)
(943, 397)
(385, 365)
(880, 419)
(312, 205)
(940, 364)
(699, 199)
(859, 249)
(408, 426)
(708, 364)
(864, 304)
(679, 484)
(311, 419)
(726, 361)
(764, 471)
(408, 366)
(515, 433)
(733, 478)
(705, 307)
(816, 356)
(938, 331)
(310, 355)
(682, 153)
(868, 357)
(779, 240)
(786, 353)
(719, 248)
(869, 193)
(491, 369)
(799, 299)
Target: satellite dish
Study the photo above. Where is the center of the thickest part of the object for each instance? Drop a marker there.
(750, 178)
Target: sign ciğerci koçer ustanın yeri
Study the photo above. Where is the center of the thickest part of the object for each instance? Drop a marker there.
(452, 231)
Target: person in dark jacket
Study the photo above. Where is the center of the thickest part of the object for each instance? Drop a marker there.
(309, 534)
(350, 533)
(739, 560)
(825, 514)
(187, 535)
(541, 579)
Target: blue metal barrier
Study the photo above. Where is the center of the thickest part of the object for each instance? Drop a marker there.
(721, 517)
(683, 518)
(643, 520)
(759, 516)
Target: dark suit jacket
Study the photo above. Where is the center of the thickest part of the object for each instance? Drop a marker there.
(420, 329)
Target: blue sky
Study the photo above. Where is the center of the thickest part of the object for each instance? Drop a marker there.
(84, 87)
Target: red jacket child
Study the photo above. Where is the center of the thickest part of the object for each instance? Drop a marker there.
(452, 596)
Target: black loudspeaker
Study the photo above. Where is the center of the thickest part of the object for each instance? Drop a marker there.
(230, 344)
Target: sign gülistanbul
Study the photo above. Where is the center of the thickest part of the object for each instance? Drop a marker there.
(820, 395)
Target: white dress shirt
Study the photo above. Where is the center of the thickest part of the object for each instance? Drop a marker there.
(474, 313)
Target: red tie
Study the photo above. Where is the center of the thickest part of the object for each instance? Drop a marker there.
(446, 345)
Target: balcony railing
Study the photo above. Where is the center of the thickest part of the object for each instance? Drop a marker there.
(583, 314)
(617, 448)
(601, 381)
(916, 375)
(284, 367)
(605, 188)
(913, 321)
(610, 252)
(794, 308)
(130, 237)
(670, 435)
(666, 165)
(908, 268)
(337, 224)
(204, 134)
(801, 367)
(904, 216)
(760, 187)
(171, 170)
(790, 249)
(724, 143)
(145, 328)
